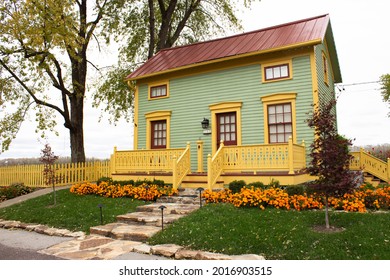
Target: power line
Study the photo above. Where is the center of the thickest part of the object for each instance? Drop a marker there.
(357, 84)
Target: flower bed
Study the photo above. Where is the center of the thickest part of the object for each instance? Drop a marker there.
(14, 190)
(143, 192)
(360, 200)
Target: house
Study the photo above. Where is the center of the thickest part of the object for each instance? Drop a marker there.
(232, 108)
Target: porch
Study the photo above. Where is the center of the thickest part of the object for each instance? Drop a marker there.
(252, 163)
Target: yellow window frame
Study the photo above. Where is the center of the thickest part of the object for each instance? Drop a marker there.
(157, 116)
(275, 99)
(158, 84)
(276, 63)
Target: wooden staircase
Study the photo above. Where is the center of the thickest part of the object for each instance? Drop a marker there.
(198, 180)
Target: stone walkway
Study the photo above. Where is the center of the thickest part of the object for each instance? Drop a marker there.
(125, 239)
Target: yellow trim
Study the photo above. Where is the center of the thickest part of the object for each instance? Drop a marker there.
(314, 78)
(276, 63)
(136, 96)
(279, 98)
(293, 46)
(157, 116)
(224, 107)
(157, 84)
(325, 67)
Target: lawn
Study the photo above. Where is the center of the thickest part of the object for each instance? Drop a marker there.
(281, 234)
(73, 212)
(223, 228)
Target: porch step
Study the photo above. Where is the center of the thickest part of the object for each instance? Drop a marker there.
(125, 231)
(372, 179)
(147, 220)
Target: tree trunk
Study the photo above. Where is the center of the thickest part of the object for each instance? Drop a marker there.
(326, 211)
(77, 129)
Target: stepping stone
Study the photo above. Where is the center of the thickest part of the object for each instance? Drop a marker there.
(149, 218)
(134, 232)
(105, 230)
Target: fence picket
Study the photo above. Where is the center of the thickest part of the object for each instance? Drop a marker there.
(71, 173)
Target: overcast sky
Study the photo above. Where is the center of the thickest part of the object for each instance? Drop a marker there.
(360, 29)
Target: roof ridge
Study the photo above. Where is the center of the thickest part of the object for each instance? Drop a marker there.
(244, 33)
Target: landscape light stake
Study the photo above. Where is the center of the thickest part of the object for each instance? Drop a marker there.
(101, 213)
(162, 207)
(200, 195)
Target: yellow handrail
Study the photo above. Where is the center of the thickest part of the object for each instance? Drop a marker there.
(215, 165)
(371, 164)
(181, 166)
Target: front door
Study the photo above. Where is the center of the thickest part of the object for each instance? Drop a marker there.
(159, 134)
(227, 129)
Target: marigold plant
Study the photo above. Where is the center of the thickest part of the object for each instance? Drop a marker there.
(359, 200)
(142, 192)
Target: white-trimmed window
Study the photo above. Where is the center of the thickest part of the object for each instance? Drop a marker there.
(276, 72)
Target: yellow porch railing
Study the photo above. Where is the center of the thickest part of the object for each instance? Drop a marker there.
(257, 158)
(71, 173)
(144, 160)
(368, 163)
(215, 166)
(181, 167)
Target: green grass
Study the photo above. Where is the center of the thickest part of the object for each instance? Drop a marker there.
(276, 234)
(73, 212)
(280, 234)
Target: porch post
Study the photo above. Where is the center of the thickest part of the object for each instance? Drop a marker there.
(209, 172)
(174, 172)
(361, 158)
(199, 144)
(290, 156)
(388, 170)
(113, 163)
(304, 153)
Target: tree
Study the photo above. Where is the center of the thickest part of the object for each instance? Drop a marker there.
(330, 156)
(150, 26)
(44, 54)
(43, 64)
(385, 88)
(48, 158)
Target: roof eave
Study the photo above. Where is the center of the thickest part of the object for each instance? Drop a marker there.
(292, 46)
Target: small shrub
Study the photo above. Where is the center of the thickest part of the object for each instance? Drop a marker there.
(295, 190)
(104, 179)
(258, 185)
(274, 184)
(236, 186)
(14, 190)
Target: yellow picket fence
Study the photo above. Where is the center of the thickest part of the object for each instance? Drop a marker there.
(70, 173)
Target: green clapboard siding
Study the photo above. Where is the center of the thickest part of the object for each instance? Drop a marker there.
(191, 96)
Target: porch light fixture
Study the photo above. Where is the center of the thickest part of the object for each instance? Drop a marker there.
(205, 123)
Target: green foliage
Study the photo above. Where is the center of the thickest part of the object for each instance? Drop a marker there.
(257, 185)
(142, 30)
(73, 212)
(385, 88)
(279, 234)
(295, 190)
(236, 186)
(14, 190)
(159, 183)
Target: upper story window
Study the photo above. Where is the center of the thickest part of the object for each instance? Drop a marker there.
(276, 72)
(325, 68)
(158, 91)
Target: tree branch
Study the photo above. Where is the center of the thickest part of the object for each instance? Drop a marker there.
(29, 91)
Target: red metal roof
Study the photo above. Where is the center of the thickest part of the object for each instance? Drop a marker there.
(289, 34)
